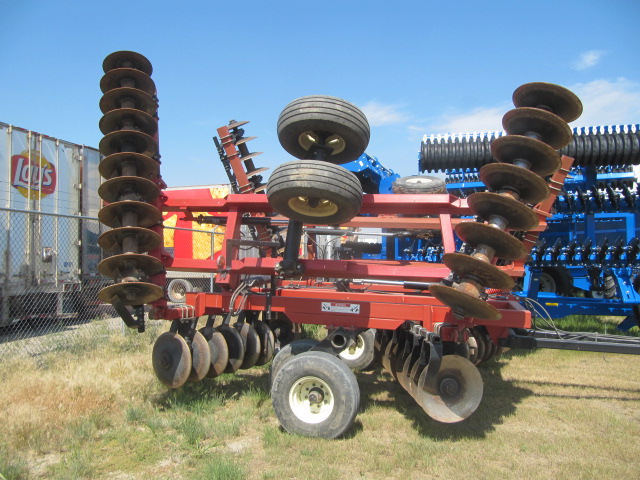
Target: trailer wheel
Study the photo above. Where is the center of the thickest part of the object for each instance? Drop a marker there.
(288, 352)
(177, 289)
(359, 356)
(315, 395)
(419, 184)
(314, 192)
(331, 121)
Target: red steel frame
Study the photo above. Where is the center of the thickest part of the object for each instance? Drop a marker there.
(312, 301)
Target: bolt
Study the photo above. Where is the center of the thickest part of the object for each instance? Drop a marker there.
(315, 396)
(449, 386)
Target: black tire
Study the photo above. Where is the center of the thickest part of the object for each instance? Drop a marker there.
(361, 355)
(314, 192)
(419, 184)
(319, 373)
(288, 352)
(316, 116)
(556, 280)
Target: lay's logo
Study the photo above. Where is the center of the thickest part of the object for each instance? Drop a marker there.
(35, 178)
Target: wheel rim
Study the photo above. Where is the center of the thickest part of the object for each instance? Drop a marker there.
(308, 139)
(355, 351)
(313, 207)
(311, 399)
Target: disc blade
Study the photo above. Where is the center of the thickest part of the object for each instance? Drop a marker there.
(200, 358)
(127, 58)
(562, 102)
(131, 293)
(132, 188)
(463, 304)
(459, 390)
(506, 245)
(171, 359)
(486, 273)
(531, 188)
(235, 346)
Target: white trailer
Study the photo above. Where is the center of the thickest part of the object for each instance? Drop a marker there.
(48, 226)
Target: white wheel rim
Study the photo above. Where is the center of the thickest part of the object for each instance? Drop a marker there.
(306, 410)
(355, 351)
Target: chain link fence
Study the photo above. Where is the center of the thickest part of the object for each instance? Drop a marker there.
(49, 280)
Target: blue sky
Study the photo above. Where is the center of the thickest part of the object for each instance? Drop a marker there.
(414, 67)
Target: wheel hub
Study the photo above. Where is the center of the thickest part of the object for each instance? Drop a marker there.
(313, 206)
(449, 387)
(311, 400)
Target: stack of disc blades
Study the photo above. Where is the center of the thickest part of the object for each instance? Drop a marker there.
(536, 129)
(131, 168)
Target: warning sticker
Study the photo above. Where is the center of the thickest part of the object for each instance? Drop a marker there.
(341, 307)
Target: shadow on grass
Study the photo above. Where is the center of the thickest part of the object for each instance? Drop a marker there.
(500, 400)
(217, 391)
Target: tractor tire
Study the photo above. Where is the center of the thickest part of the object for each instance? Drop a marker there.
(314, 192)
(338, 123)
(315, 395)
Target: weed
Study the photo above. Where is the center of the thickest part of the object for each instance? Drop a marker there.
(220, 468)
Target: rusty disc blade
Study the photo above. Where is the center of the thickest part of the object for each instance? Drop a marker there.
(115, 265)
(473, 349)
(251, 342)
(240, 141)
(267, 342)
(121, 140)
(200, 358)
(115, 120)
(111, 215)
(506, 245)
(233, 125)
(146, 239)
(256, 171)
(463, 304)
(486, 274)
(218, 351)
(171, 359)
(129, 59)
(235, 345)
(459, 393)
(113, 100)
(544, 160)
(251, 156)
(552, 129)
(517, 214)
(549, 96)
(138, 188)
(145, 166)
(480, 337)
(532, 188)
(131, 293)
(127, 78)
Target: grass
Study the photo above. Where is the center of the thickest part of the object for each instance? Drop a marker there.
(96, 411)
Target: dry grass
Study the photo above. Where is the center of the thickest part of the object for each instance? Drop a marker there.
(97, 412)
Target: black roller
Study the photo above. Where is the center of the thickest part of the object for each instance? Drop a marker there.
(616, 145)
